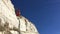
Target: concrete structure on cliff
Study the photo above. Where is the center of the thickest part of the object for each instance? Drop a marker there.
(12, 24)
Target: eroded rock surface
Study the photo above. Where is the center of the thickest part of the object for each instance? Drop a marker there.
(11, 24)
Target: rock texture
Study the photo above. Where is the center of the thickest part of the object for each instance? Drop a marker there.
(12, 24)
(26, 27)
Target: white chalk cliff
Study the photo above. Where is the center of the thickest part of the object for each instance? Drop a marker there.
(12, 24)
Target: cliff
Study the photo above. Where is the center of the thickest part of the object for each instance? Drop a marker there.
(12, 24)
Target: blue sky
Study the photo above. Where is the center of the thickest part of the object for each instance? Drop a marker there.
(45, 14)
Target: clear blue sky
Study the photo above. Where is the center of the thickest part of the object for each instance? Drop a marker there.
(45, 14)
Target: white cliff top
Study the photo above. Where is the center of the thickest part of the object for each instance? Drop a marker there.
(7, 14)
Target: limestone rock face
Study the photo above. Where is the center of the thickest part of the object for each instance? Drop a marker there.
(26, 27)
(12, 24)
(7, 13)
